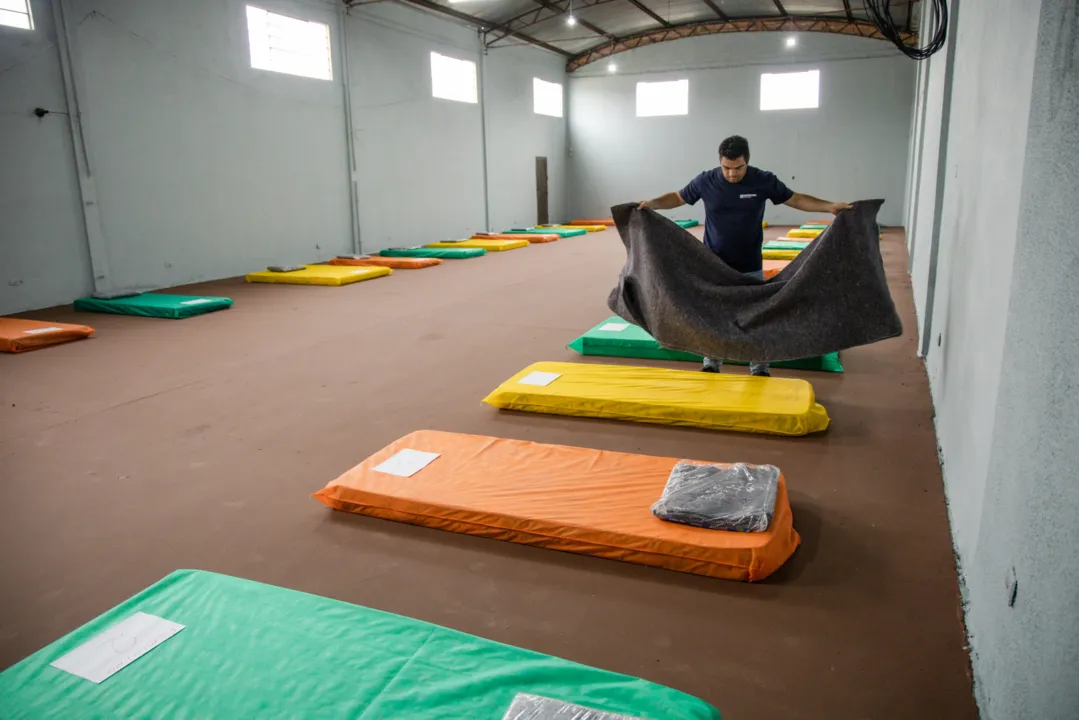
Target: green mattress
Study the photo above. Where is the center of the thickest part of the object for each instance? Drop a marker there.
(442, 253)
(158, 305)
(635, 342)
(687, 223)
(249, 650)
(561, 232)
(814, 227)
(778, 245)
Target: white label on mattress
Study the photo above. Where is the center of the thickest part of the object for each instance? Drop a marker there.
(614, 327)
(542, 379)
(116, 648)
(197, 301)
(39, 331)
(406, 463)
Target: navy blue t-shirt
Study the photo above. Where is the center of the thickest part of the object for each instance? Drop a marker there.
(734, 213)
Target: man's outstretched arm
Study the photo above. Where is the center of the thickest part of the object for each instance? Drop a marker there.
(664, 202)
(808, 203)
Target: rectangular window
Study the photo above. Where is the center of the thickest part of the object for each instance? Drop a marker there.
(287, 45)
(16, 13)
(790, 91)
(546, 98)
(453, 79)
(663, 98)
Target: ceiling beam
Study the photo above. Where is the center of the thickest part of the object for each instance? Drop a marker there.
(583, 23)
(858, 28)
(648, 11)
(779, 6)
(722, 15)
(550, 9)
(483, 24)
(850, 13)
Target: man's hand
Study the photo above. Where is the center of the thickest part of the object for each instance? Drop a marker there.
(664, 202)
(808, 203)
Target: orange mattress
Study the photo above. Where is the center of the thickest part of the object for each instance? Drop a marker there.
(22, 335)
(402, 263)
(609, 222)
(529, 238)
(772, 267)
(572, 499)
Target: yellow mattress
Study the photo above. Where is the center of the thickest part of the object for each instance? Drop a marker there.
(773, 406)
(589, 228)
(319, 275)
(801, 233)
(488, 244)
(779, 254)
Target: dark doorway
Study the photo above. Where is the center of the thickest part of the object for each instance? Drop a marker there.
(541, 191)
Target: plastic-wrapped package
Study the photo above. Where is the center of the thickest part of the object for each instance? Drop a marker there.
(739, 498)
(536, 707)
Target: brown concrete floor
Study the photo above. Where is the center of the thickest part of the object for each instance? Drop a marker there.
(165, 444)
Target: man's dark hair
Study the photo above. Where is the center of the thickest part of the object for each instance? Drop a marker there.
(734, 147)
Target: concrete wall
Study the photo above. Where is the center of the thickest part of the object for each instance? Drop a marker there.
(43, 252)
(1002, 335)
(985, 163)
(516, 136)
(1026, 654)
(206, 168)
(419, 158)
(853, 146)
(926, 188)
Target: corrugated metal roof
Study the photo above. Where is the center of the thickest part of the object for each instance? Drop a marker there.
(613, 23)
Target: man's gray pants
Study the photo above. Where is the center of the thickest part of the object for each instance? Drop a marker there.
(713, 365)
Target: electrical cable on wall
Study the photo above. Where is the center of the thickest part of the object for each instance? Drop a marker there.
(879, 12)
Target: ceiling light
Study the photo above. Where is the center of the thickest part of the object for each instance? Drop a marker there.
(570, 20)
(792, 41)
(611, 67)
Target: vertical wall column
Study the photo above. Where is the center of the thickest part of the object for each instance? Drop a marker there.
(95, 237)
(350, 132)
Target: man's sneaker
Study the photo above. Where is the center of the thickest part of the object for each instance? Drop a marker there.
(760, 372)
(711, 366)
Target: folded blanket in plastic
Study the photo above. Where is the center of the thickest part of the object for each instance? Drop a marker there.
(536, 707)
(737, 498)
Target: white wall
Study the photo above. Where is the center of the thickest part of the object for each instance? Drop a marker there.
(925, 186)
(419, 158)
(205, 168)
(985, 162)
(43, 252)
(1001, 345)
(853, 147)
(1027, 660)
(516, 136)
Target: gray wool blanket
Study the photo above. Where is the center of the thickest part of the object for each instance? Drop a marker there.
(833, 296)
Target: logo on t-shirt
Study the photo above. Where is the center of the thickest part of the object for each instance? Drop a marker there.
(748, 195)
